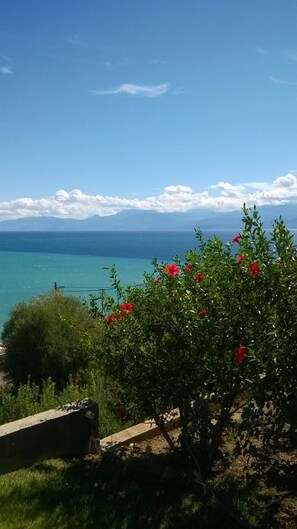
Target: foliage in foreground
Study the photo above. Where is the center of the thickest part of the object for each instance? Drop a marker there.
(213, 336)
(51, 336)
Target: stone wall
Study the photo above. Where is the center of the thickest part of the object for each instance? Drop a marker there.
(69, 431)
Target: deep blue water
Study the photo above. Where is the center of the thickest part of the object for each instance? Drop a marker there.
(134, 245)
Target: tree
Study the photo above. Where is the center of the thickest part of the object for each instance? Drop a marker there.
(51, 336)
(211, 336)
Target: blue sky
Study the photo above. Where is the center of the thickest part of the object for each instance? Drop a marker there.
(159, 104)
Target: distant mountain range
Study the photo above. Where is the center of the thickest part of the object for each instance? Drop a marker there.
(148, 220)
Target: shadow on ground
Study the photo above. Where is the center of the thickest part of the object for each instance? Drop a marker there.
(116, 492)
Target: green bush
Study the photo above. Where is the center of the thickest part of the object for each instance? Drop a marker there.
(51, 336)
(30, 398)
(212, 336)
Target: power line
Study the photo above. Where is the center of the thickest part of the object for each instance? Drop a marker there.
(85, 289)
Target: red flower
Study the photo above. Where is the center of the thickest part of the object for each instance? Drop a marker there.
(237, 238)
(240, 354)
(189, 267)
(199, 277)
(157, 280)
(254, 269)
(171, 270)
(126, 307)
(119, 316)
(110, 318)
(203, 312)
(239, 258)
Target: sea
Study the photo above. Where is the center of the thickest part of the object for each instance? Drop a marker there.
(34, 263)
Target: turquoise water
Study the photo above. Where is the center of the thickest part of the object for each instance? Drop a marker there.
(31, 263)
(24, 275)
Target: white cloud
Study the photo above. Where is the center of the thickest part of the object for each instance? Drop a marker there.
(276, 80)
(229, 190)
(172, 190)
(288, 181)
(135, 90)
(222, 196)
(6, 70)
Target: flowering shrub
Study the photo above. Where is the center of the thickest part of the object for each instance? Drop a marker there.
(212, 336)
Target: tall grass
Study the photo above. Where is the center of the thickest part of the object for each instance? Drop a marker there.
(29, 399)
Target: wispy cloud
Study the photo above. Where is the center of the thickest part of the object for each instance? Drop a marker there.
(292, 55)
(178, 91)
(261, 51)
(276, 80)
(135, 90)
(222, 196)
(6, 70)
(6, 59)
(256, 185)
(107, 64)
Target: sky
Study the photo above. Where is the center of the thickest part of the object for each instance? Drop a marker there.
(150, 104)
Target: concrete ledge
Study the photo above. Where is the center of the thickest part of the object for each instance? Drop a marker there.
(139, 432)
(69, 431)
